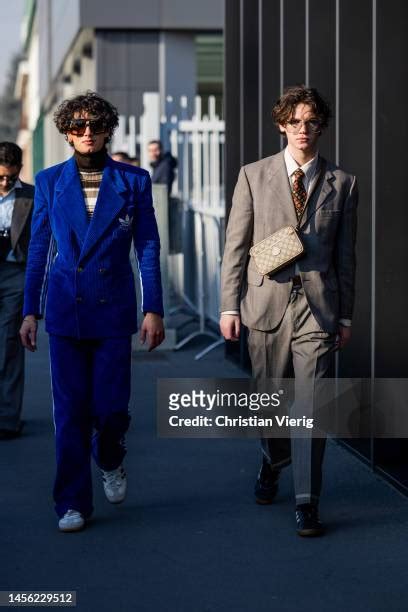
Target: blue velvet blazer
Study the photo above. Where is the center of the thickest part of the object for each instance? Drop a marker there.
(78, 270)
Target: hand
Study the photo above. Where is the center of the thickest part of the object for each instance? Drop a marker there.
(230, 326)
(343, 337)
(28, 333)
(152, 329)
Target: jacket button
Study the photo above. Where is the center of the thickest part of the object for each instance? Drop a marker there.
(102, 301)
(79, 269)
(78, 298)
(102, 270)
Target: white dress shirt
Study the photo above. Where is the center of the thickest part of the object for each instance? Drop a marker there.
(309, 169)
(6, 212)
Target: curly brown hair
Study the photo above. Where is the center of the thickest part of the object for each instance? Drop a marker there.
(284, 108)
(90, 103)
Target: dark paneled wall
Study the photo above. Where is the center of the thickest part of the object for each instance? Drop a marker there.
(294, 40)
(391, 329)
(355, 54)
(269, 37)
(355, 144)
(321, 66)
(127, 66)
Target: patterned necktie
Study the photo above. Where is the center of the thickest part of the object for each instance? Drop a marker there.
(299, 194)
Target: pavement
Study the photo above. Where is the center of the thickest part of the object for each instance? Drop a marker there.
(189, 537)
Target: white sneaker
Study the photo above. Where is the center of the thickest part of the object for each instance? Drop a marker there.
(71, 521)
(115, 485)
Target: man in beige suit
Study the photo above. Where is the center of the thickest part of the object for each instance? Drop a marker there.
(300, 315)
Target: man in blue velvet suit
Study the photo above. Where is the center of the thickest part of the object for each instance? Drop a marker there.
(87, 211)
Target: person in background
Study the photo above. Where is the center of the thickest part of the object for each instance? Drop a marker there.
(87, 212)
(16, 201)
(163, 165)
(121, 156)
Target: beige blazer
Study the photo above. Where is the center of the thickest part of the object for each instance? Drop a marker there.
(262, 204)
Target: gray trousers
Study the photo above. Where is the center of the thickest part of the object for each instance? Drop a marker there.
(297, 348)
(11, 349)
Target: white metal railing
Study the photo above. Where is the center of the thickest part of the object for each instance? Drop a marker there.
(198, 143)
(126, 137)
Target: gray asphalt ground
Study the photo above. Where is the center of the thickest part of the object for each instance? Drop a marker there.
(189, 537)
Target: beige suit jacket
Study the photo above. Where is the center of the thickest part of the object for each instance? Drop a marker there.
(262, 204)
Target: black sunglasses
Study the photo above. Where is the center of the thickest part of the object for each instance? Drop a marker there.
(77, 127)
(10, 178)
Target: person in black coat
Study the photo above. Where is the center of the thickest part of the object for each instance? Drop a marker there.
(16, 202)
(163, 165)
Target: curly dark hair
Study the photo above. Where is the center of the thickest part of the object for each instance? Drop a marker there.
(284, 108)
(90, 103)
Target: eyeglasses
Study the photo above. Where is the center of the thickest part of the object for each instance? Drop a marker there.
(294, 125)
(9, 178)
(78, 127)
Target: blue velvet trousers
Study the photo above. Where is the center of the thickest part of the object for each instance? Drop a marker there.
(91, 390)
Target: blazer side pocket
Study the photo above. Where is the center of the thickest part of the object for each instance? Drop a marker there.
(254, 278)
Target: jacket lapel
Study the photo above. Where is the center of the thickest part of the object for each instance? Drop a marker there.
(320, 192)
(21, 212)
(280, 187)
(70, 200)
(111, 198)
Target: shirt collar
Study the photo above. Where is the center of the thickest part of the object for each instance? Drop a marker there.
(309, 168)
(11, 193)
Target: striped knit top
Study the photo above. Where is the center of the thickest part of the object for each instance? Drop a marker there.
(90, 182)
(90, 167)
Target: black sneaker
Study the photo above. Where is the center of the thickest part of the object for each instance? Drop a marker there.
(266, 485)
(307, 520)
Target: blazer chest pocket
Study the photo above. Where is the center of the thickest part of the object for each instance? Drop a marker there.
(254, 278)
(328, 212)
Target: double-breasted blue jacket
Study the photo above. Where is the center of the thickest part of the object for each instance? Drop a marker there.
(79, 273)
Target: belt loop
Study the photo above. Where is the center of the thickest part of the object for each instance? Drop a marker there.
(297, 281)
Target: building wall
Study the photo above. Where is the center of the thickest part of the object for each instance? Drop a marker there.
(62, 20)
(121, 49)
(352, 52)
(59, 23)
(126, 66)
(155, 14)
(177, 68)
(33, 67)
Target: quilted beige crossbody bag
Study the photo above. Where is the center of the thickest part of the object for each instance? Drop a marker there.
(283, 247)
(277, 250)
